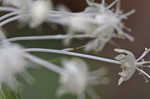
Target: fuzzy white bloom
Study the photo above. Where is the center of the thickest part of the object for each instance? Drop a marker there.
(101, 22)
(39, 12)
(35, 13)
(12, 62)
(129, 65)
(108, 22)
(76, 78)
(81, 24)
(88, 25)
(109, 19)
(32, 12)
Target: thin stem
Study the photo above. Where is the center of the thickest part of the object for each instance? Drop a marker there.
(45, 37)
(64, 14)
(143, 54)
(146, 74)
(72, 54)
(129, 37)
(72, 49)
(112, 4)
(8, 9)
(8, 15)
(124, 16)
(144, 62)
(118, 7)
(44, 63)
(9, 20)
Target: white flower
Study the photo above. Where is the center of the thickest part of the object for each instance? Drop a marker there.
(108, 22)
(39, 12)
(108, 19)
(80, 24)
(88, 25)
(12, 62)
(32, 12)
(100, 22)
(129, 64)
(76, 78)
(36, 12)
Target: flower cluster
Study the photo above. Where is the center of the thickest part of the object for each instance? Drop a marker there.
(100, 22)
(97, 21)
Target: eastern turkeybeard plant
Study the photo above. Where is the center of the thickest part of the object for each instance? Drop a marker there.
(99, 22)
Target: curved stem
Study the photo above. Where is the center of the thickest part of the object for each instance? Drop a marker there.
(9, 20)
(143, 54)
(124, 16)
(112, 4)
(143, 62)
(72, 54)
(44, 63)
(143, 72)
(45, 37)
(8, 9)
(8, 15)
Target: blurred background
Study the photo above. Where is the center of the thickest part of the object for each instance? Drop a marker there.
(46, 82)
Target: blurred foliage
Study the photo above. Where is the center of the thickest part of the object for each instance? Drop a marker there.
(8, 93)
